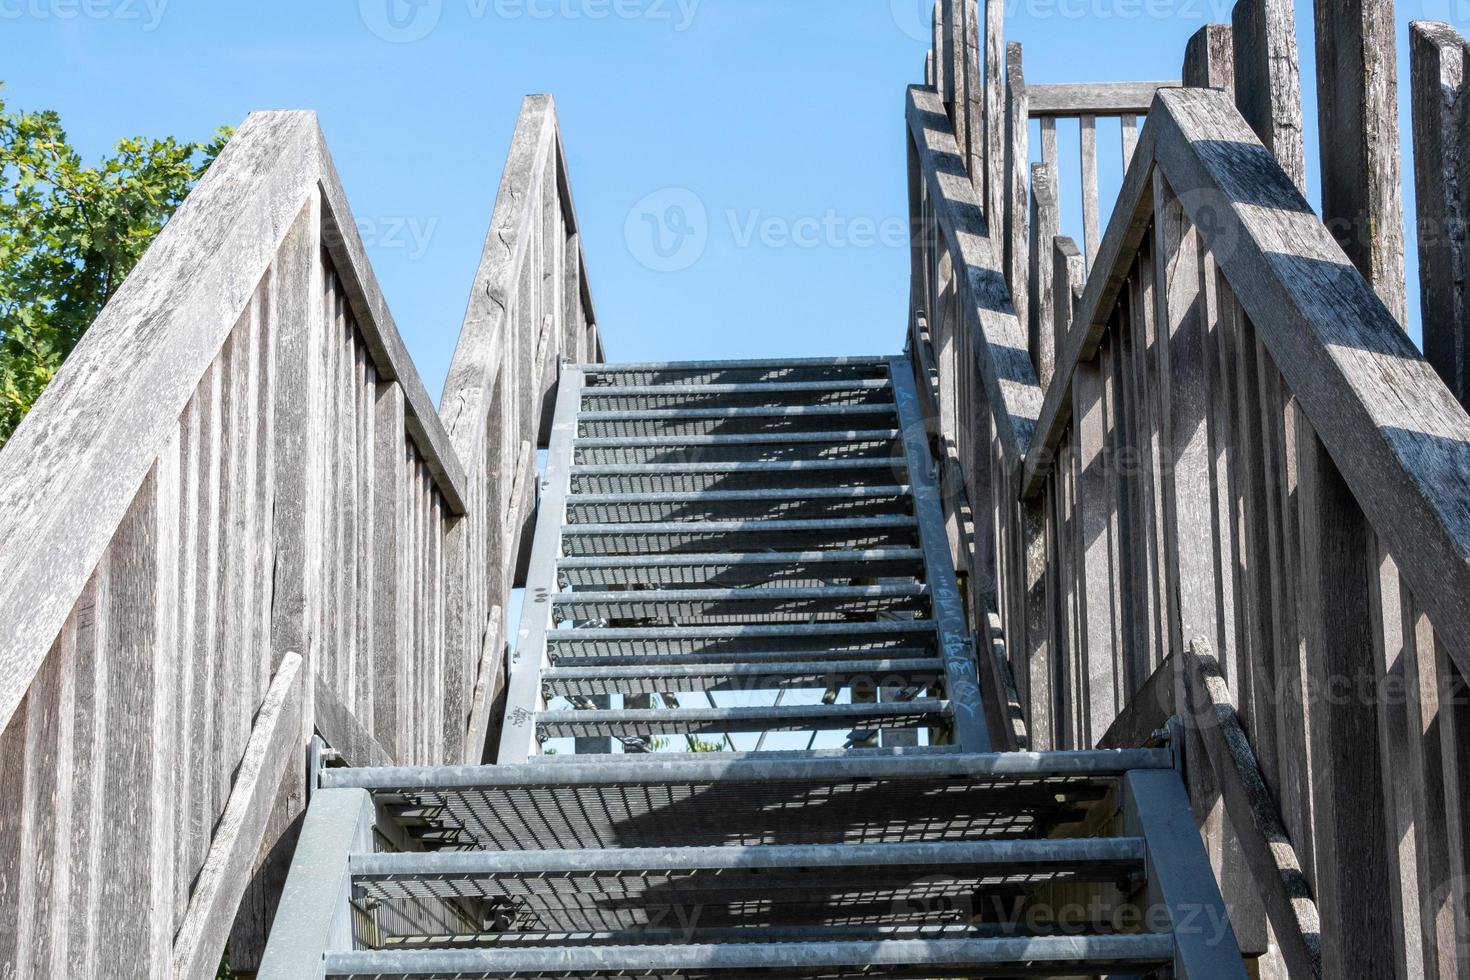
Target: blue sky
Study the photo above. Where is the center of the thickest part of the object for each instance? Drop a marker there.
(780, 119)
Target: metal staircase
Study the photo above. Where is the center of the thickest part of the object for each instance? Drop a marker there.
(744, 734)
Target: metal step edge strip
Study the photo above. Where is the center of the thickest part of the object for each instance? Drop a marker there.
(1051, 852)
(835, 438)
(841, 766)
(1154, 949)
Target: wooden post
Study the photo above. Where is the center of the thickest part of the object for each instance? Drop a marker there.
(1045, 226)
(953, 64)
(974, 106)
(1068, 272)
(995, 115)
(1268, 88)
(1013, 250)
(1358, 123)
(1209, 59)
(1437, 82)
(1354, 856)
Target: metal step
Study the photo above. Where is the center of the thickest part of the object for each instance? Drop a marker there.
(704, 536)
(767, 447)
(716, 505)
(778, 718)
(759, 887)
(756, 568)
(565, 646)
(700, 477)
(736, 371)
(630, 398)
(811, 674)
(1031, 956)
(733, 799)
(736, 421)
(799, 604)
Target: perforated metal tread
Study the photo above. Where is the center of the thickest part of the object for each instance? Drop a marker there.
(810, 640)
(698, 477)
(671, 537)
(766, 604)
(719, 677)
(665, 422)
(758, 887)
(738, 371)
(775, 718)
(756, 448)
(1048, 956)
(858, 796)
(747, 568)
(717, 505)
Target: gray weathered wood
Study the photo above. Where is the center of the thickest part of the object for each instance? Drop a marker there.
(1252, 811)
(995, 98)
(1268, 87)
(1358, 135)
(1209, 59)
(1017, 166)
(1437, 85)
(1067, 273)
(1093, 98)
(1087, 128)
(1005, 367)
(220, 886)
(1046, 223)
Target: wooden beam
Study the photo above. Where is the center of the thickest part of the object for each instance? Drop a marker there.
(274, 741)
(1441, 153)
(997, 337)
(1358, 138)
(1252, 812)
(1093, 98)
(995, 95)
(1399, 438)
(1046, 224)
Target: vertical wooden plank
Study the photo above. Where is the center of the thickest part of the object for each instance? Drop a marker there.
(1188, 521)
(1454, 734)
(1096, 704)
(365, 398)
(46, 835)
(164, 666)
(1091, 224)
(1358, 130)
(952, 58)
(974, 108)
(1345, 762)
(574, 343)
(89, 827)
(16, 873)
(1425, 779)
(1128, 126)
(1067, 271)
(125, 891)
(1017, 167)
(1437, 86)
(1209, 59)
(1268, 88)
(1141, 301)
(997, 97)
(1393, 660)
(390, 715)
(1045, 226)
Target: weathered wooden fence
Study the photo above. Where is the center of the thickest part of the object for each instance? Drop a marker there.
(1197, 467)
(236, 520)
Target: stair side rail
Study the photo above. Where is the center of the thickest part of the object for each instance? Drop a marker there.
(530, 310)
(238, 463)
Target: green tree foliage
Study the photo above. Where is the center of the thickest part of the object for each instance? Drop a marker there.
(69, 235)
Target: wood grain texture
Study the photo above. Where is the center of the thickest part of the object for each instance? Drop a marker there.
(1093, 98)
(1358, 136)
(1017, 165)
(1005, 366)
(1268, 87)
(1437, 86)
(1209, 59)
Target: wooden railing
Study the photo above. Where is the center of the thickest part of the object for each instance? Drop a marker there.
(1230, 489)
(235, 521)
